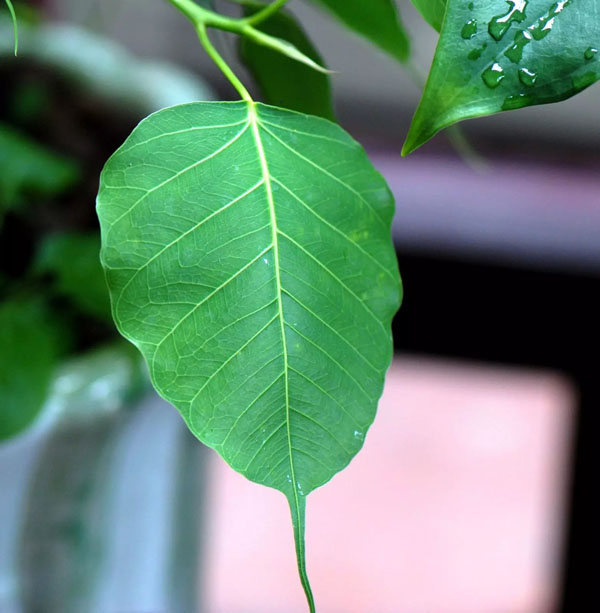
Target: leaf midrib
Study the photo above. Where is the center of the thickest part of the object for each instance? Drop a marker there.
(266, 177)
(298, 507)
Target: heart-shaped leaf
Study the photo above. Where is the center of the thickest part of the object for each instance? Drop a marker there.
(249, 257)
(497, 55)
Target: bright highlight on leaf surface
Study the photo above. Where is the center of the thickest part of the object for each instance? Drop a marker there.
(497, 55)
(248, 254)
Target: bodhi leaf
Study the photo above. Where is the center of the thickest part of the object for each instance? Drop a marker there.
(376, 20)
(499, 55)
(285, 82)
(248, 255)
(432, 11)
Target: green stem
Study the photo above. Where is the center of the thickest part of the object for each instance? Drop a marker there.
(265, 13)
(200, 16)
(11, 10)
(203, 19)
(221, 63)
(465, 149)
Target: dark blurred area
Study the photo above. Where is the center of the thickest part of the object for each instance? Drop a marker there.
(498, 241)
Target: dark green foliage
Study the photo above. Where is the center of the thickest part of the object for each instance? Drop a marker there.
(285, 82)
(28, 356)
(376, 20)
(28, 171)
(72, 261)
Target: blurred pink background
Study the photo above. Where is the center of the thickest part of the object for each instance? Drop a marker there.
(455, 505)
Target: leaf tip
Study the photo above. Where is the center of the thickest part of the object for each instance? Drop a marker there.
(411, 144)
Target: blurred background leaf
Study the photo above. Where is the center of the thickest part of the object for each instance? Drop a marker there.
(72, 261)
(30, 171)
(28, 357)
(377, 21)
(282, 81)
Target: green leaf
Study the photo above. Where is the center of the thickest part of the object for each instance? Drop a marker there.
(432, 11)
(28, 353)
(376, 20)
(28, 170)
(496, 56)
(285, 82)
(248, 255)
(73, 259)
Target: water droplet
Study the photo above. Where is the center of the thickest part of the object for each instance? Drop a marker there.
(527, 77)
(493, 75)
(266, 261)
(590, 52)
(469, 29)
(515, 52)
(516, 102)
(499, 25)
(475, 54)
(544, 24)
(359, 435)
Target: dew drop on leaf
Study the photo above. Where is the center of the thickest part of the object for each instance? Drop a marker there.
(499, 25)
(515, 52)
(590, 52)
(493, 75)
(527, 77)
(475, 54)
(469, 29)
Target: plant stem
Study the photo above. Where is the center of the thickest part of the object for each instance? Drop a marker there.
(221, 63)
(11, 10)
(265, 13)
(203, 19)
(200, 16)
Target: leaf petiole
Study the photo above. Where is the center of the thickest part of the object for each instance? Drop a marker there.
(203, 19)
(221, 63)
(265, 13)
